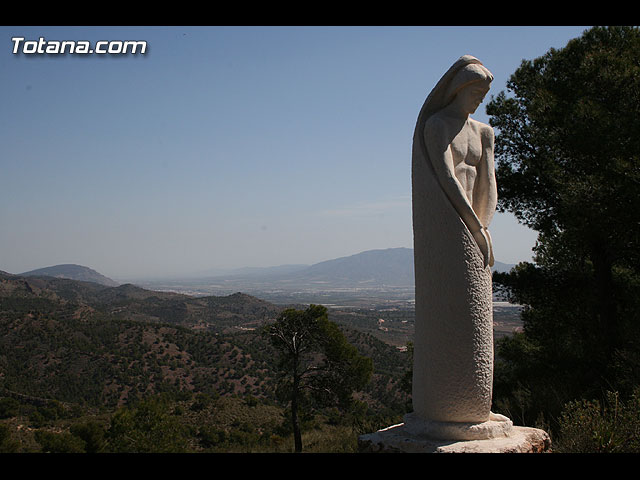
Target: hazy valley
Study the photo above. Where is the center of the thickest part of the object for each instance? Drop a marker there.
(373, 289)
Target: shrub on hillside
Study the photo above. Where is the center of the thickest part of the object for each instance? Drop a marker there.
(591, 427)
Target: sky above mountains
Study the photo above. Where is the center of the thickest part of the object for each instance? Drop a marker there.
(228, 146)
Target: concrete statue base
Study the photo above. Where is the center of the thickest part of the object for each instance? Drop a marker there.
(503, 438)
(498, 426)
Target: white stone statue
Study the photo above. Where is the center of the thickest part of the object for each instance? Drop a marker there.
(454, 199)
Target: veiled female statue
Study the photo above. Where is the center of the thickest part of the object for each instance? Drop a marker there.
(454, 199)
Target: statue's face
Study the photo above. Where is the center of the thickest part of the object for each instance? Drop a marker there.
(472, 96)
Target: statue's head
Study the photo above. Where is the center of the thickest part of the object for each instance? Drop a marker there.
(467, 75)
(472, 73)
(470, 84)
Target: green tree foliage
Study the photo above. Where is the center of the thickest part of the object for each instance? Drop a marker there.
(59, 442)
(612, 426)
(318, 364)
(147, 427)
(7, 443)
(9, 407)
(92, 434)
(568, 166)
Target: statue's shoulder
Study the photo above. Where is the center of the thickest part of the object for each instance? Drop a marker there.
(437, 130)
(485, 130)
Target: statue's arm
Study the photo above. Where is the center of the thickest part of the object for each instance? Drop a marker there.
(485, 194)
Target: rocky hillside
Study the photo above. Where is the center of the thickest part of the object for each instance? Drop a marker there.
(85, 343)
(129, 302)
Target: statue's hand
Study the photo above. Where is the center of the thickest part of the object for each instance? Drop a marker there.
(484, 242)
(490, 244)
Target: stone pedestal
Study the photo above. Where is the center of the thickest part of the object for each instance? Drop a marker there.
(397, 439)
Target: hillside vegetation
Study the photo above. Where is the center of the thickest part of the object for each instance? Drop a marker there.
(79, 353)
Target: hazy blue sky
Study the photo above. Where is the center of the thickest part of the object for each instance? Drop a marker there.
(228, 146)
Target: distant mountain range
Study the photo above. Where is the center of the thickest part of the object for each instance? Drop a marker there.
(371, 268)
(72, 272)
(388, 267)
(392, 266)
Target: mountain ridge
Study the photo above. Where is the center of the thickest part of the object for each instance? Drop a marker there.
(389, 266)
(71, 271)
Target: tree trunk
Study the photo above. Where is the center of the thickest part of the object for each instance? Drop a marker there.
(297, 436)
